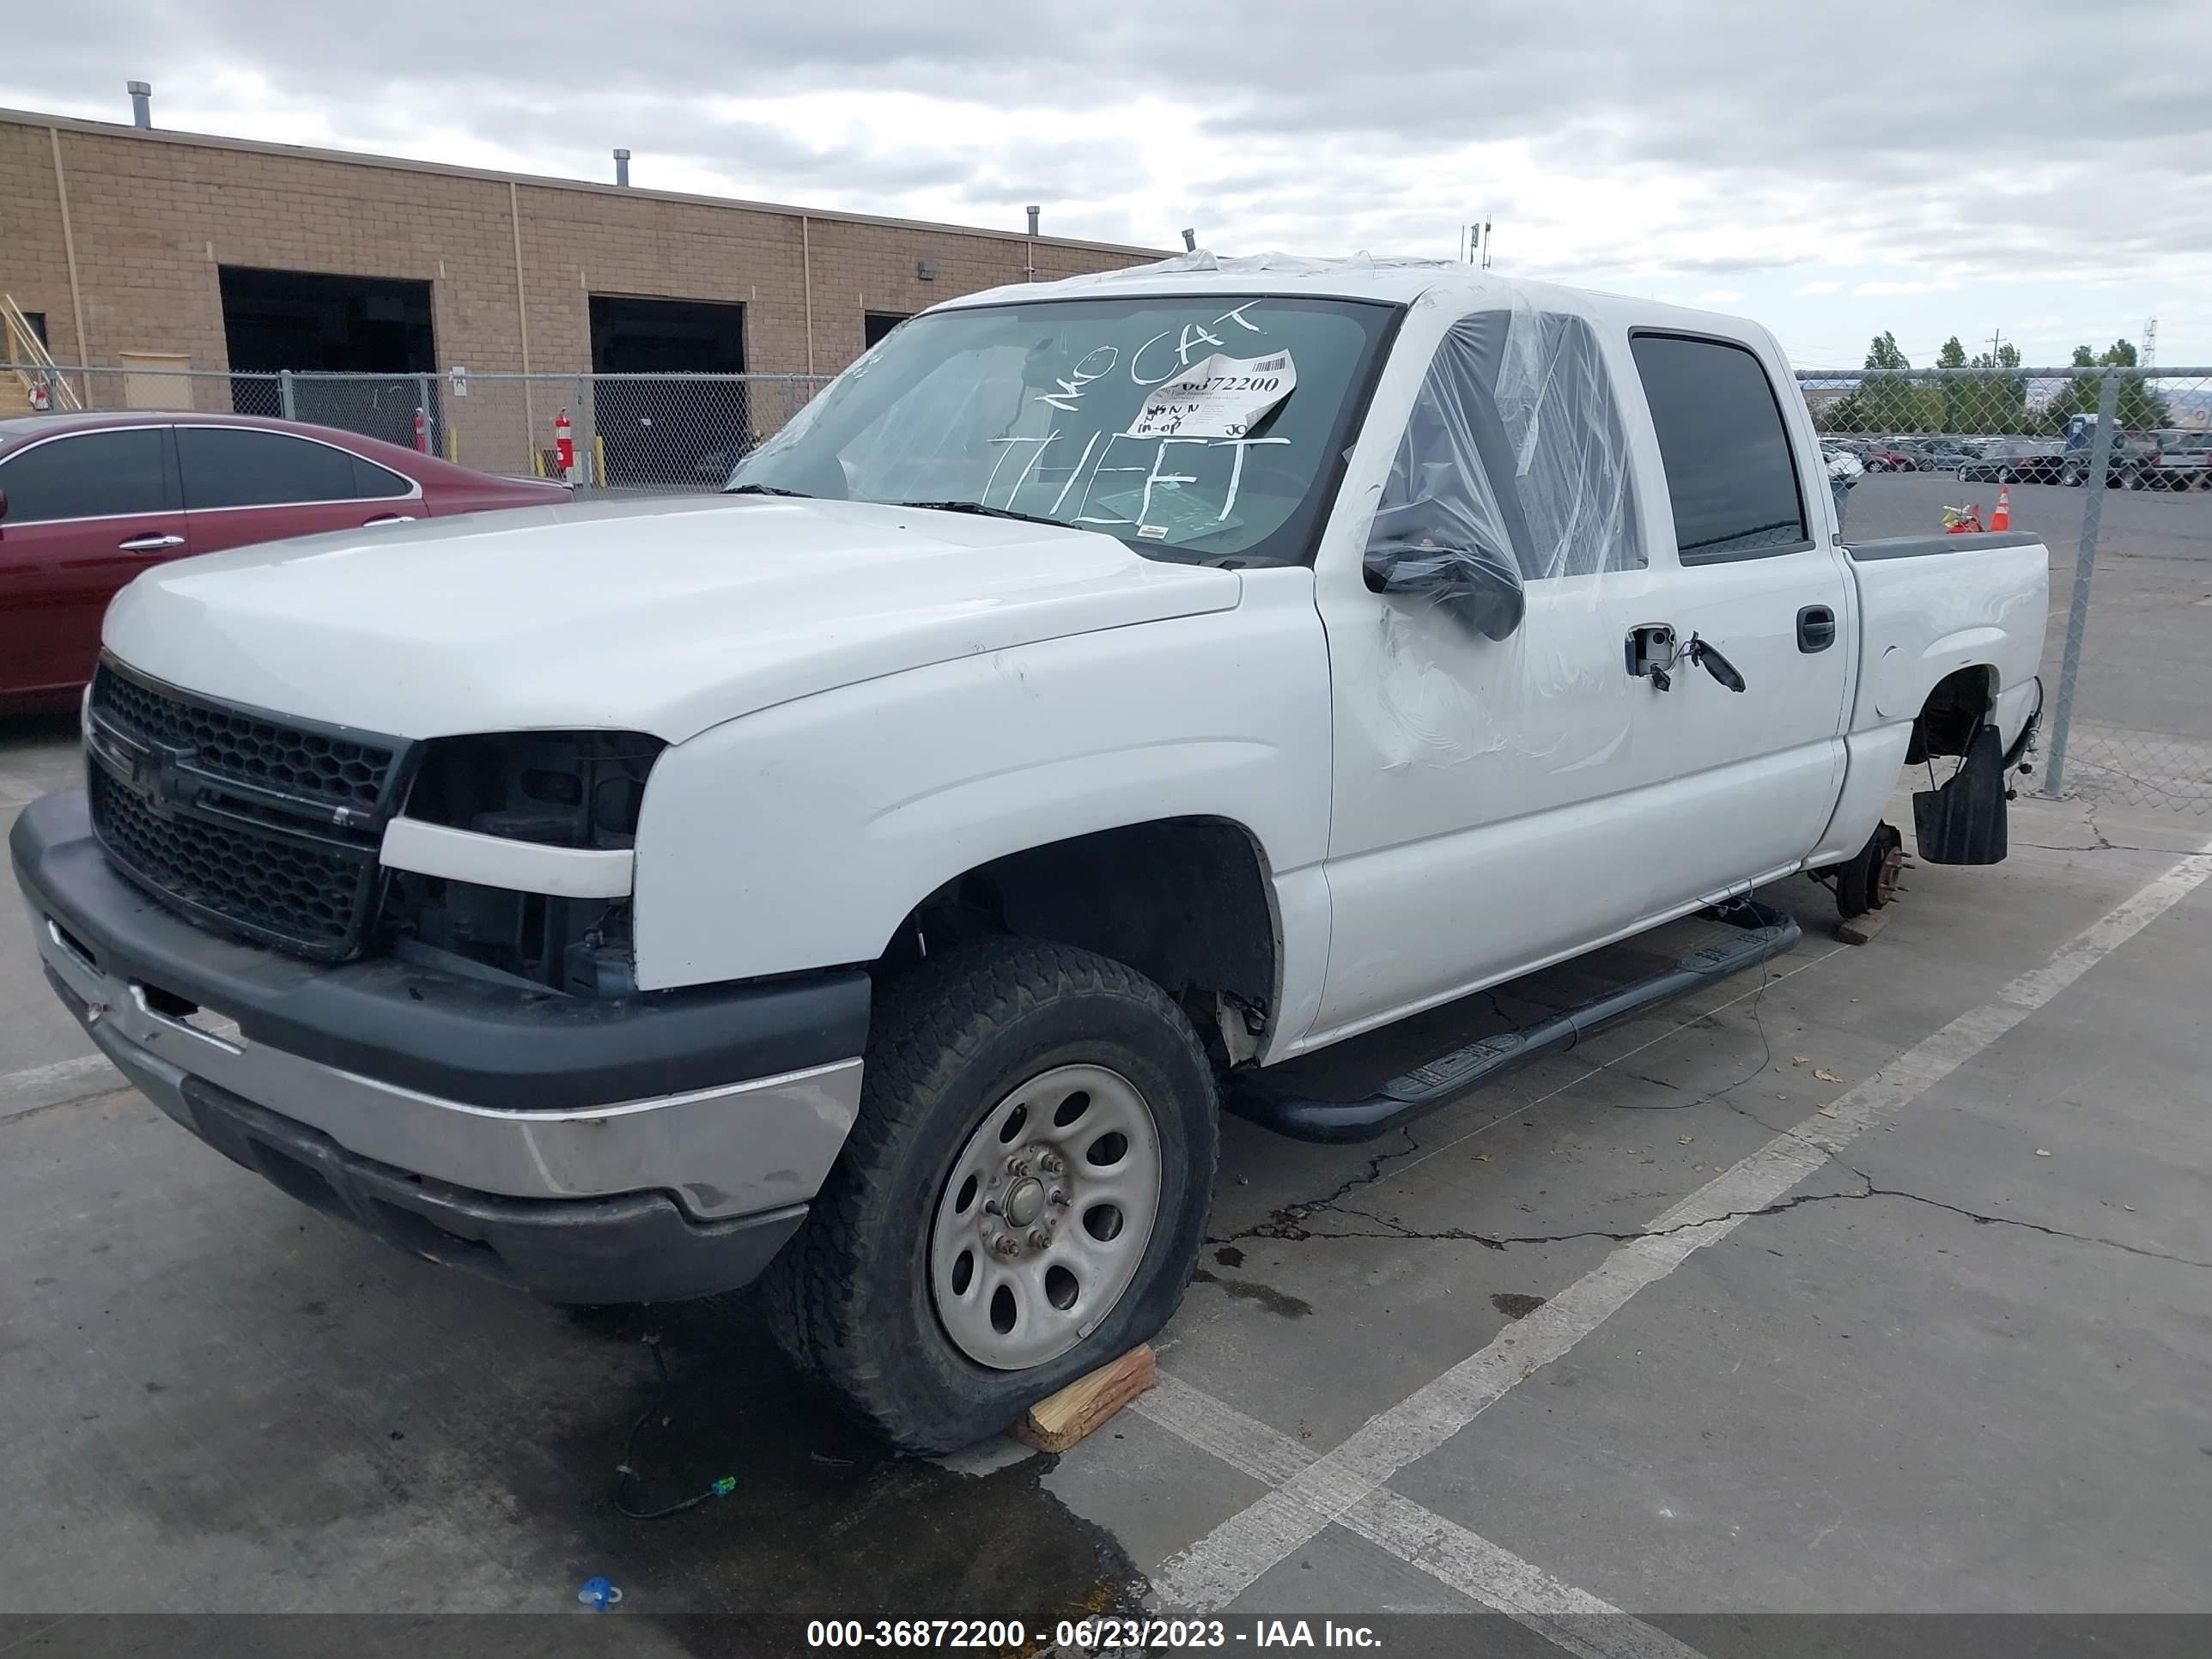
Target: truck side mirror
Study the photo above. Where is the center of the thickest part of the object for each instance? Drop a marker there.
(1479, 586)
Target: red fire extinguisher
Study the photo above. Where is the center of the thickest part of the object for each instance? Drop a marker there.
(421, 431)
(564, 446)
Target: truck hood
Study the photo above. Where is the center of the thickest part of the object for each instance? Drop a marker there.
(663, 617)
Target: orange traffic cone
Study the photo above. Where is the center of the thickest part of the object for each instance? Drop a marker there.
(2002, 519)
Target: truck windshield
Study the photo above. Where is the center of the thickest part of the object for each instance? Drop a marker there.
(1191, 427)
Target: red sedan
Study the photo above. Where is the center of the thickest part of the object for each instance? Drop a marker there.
(88, 501)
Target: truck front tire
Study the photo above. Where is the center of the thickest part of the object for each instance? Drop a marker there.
(1022, 1198)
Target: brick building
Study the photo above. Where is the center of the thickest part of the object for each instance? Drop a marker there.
(131, 247)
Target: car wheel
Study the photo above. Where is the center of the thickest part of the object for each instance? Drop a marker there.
(2004, 475)
(1877, 466)
(2139, 480)
(1021, 1199)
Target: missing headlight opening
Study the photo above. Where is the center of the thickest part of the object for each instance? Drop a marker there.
(556, 788)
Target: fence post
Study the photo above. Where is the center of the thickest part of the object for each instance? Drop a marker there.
(588, 424)
(286, 404)
(2085, 568)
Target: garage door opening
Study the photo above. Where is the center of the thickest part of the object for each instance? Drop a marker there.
(669, 435)
(312, 323)
(667, 337)
(300, 320)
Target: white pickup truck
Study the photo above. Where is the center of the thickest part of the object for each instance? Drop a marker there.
(878, 877)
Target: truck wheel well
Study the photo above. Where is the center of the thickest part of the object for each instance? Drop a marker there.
(1185, 901)
(1954, 711)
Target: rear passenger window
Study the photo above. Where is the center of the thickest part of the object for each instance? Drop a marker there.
(1727, 452)
(374, 483)
(243, 466)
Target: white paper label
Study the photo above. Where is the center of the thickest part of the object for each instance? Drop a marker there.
(1220, 398)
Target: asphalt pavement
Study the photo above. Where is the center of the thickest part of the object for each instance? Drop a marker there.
(1878, 1283)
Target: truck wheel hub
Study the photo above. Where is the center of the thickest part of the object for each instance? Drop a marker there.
(1044, 1219)
(1025, 1203)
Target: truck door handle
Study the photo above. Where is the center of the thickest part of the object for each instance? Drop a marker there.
(1816, 629)
(148, 543)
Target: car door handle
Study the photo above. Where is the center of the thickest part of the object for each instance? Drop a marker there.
(150, 543)
(1816, 629)
(389, 518)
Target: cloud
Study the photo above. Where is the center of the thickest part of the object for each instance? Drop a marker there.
(1617, 144)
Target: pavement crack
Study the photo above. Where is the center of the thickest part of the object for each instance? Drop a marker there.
(1978, 1216)
(1390, 1227)
(1288, 1221)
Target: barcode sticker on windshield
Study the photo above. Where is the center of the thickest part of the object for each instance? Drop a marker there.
(1220, 398)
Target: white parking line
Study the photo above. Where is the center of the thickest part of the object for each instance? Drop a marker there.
(1332, 1488)
(1452, 1554)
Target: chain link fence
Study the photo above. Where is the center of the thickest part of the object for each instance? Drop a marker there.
(2110, 466)
(660, 434)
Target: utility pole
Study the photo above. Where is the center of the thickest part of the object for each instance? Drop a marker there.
(1996, 338)
(2150, 343)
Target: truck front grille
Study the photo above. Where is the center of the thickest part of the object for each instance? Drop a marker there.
(263, 826)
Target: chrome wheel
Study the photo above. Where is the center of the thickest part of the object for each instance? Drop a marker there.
(1043, 1221)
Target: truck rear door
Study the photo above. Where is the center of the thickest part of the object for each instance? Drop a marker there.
(1757, 575)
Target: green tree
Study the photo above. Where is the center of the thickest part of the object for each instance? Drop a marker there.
(1887, 405)
(1953, 355)
(2140, 407)
(1997, 402)
(1884, 353)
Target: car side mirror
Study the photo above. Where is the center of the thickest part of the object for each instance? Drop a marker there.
(1479, 586)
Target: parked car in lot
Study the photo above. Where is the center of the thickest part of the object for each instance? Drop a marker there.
(91, 500)
(880, 877)
(1940, 454)
(2184, 461)
(2133, 451)
(2015, 460)
(1887, 458)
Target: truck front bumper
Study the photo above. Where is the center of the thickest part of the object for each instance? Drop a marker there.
(643, 1149)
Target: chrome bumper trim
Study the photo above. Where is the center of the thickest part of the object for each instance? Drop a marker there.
(723, 1152)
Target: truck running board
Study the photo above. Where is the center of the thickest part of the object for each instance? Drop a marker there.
(1767, 932)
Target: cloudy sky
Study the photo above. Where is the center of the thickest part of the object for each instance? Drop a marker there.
(2040, 168)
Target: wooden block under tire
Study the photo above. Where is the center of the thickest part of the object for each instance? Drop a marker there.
(1059, 1420)
(1861, 930)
